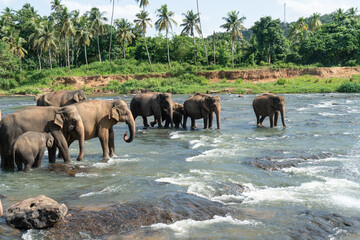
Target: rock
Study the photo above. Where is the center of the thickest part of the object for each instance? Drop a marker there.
(38, 212)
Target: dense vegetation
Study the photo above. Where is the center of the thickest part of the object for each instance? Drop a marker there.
(35, 49)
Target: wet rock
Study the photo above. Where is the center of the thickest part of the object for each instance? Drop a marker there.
(123, 218)
(38, 212)
(68, 169)
(324, 225)
(1, 207)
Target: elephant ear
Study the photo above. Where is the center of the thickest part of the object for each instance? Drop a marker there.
(114, 113)
(77, 97)
(276, 102)
(59, 119)
(50, 142)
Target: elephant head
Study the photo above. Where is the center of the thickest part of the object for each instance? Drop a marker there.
(120, 112)
(49, 140)
(212, 104)
(79, 96)
(69, 120)
(278, 104)
(178, 107)
(166, 103)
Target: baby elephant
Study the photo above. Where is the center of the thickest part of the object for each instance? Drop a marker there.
(29, 149)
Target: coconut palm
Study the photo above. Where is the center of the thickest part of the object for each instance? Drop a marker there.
(164, 23)
(98, 25)
(315, 22)
(111, 27)
(124, 32)
(142, 21)
(36, 24)
(17, 48)
(67, 30)
(83, 36)
(143, 3)
(56, 5)
(191, 22)
(202, 36)
(234, 25)
(47, 38)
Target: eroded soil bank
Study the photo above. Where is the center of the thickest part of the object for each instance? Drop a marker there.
(261, 75)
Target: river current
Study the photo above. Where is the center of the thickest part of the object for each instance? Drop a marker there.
(277, 182)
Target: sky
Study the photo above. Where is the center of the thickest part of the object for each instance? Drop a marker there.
(212, 11)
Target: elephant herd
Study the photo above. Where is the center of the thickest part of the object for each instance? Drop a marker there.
(62, 117)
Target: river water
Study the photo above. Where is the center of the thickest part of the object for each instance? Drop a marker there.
(290, 178)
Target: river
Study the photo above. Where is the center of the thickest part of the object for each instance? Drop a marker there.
(299, 182)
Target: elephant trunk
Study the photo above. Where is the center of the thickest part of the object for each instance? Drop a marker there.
(131, 124)
(282, 111)
(81, 131)
(217, 112)
(171, 115)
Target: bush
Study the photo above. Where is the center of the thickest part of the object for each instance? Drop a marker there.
(7, 84)
(351, 63)
(349, 87)
(239, 81)
(281, 81)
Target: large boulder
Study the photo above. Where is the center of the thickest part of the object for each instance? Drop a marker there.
(38, 212)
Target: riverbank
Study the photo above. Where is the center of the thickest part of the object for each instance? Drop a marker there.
(249, 81)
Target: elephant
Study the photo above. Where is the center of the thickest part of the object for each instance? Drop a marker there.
(56, 120)
(61, 98)
(178, 112)
(29, 149)
(202, 106)
(269, 105)
(99, 117)
(147, 104)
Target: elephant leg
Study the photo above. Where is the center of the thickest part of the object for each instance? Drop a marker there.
(145, 121)
(38, 160)
(52, 154)
(193, 125)
(184, 121)
(152, 124)
(261, 121)
(276, 118)
(258, 120)
(29, 161)
(19, 165)
(211, 117)
(271, 117)
(112, 142)
(206, 120)
(104, 140)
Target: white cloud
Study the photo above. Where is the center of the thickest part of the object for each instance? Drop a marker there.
(126, 11)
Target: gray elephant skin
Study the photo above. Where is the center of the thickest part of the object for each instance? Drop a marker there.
(29, 149)
(269, 105)
(178, 112)
(202, 106)
(61, 98)
(148, 104)
(55, 120)
(99, 117)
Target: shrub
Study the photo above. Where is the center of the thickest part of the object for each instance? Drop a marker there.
(239, 81)
(349, 87)
(281, 81)
(7, 84)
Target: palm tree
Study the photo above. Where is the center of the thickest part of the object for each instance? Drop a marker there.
(83, 36)
(124, 32)
(17, 48)
(67, 30)
(143, 3)
(190, 22)
(143, 21)
(98, 25)
(56, 5)
(234, 25)
(315, 22)
(111, 28)
(36, 24)
(47, 38)
(202, 36)
(164, 23)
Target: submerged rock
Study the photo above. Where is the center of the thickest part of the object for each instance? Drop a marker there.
(68, 169)
(324, 225)
(38, 212)
(126, 217)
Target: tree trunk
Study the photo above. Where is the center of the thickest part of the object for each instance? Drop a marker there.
(20, 64)
(194, 48)
(39, 57)
(147, 51)
(97, 35)
(68, 55)
(202, 36)
(50, 58)
(214, 49)
(87, 66)
(232, 53)
(168, 50)
(124, 49)
(111, 22)
(65, 52)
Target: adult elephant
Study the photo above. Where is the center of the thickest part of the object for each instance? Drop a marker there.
(56, 120)
(99, 117)
(269, 105)
(60, 98)
(148, 104)
(202, 106)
